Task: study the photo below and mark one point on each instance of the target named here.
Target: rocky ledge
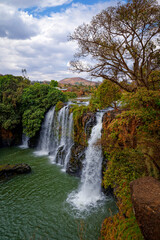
(146, 203)
(10, 170)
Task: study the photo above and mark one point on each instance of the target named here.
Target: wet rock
(89, 121)
(60, 155)
(75, 164)
(146, 203)
(33, 141)
(10, 170)
(10, 137)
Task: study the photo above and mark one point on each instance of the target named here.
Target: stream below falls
(35, 206)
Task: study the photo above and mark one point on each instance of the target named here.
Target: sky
(34, 35)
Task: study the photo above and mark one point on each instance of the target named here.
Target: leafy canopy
(54, 83)
(106, 95)
(24, 104)
(36, 100)
(11, 89)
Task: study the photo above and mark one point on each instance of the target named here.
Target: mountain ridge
(77, 81)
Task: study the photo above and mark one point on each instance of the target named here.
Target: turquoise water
(34, 206)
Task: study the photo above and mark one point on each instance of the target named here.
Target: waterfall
(90, 188)
(56, 136)
(25, 140)
(45, 134)
(62, 137)
(69, 141)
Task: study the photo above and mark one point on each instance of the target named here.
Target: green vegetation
(11, 89)
(24, 104)
(70, 95)
(121, 42)
(58, 106)
(145, 106)
(123, 167)
(53, 83)
(106, 95)
(131, 144)
(78, 113)
(36, 100)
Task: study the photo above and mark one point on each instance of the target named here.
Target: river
(35, 206)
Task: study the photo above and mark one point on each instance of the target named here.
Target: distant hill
(78, 81)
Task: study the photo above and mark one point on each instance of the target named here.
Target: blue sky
(48, 10)
(35, 36)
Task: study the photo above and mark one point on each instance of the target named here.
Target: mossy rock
(59, 105)
(10, 170)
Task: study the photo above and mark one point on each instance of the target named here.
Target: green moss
(58, 106)
(79, 133)
(123, 167)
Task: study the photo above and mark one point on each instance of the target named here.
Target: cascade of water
(62, 137)
(90, 189)
(69, 141)
(25, 140)
(56, 136)
(45, 134)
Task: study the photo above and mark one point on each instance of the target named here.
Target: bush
(36, 100)
(106, 95)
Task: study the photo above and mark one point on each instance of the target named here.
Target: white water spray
(62, 140)
(25, 140)
(90, 189)
(69, 141)
(45, 134)
(56, 136)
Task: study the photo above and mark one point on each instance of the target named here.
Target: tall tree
(121, 42)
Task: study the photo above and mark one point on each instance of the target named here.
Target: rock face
(10, 138)
(33, 141)
(81, 136)
(146, 203)
(10, 170)
(75, 164)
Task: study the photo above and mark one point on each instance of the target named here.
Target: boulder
(145, 194)
(74, 167)
(9, 170)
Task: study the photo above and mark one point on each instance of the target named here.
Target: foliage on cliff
(79, 133)
(23, 103)
(70, 95)
(36, 100)
(131, 144)
(11, 89)
(123, 167)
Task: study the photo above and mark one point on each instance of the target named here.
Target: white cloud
(15, 24)
(35, 3)
(40, 44)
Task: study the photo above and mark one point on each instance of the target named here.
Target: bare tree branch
(120, 41)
